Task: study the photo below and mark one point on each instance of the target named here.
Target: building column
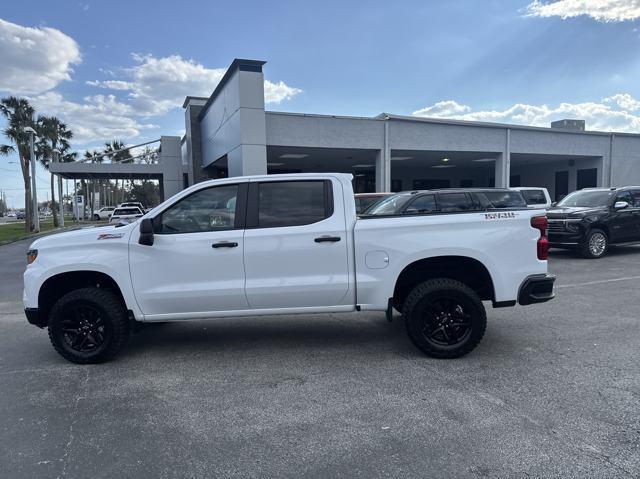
(503, 164)
(383, 164)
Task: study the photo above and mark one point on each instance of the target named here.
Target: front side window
(212, 209)
(422, 204)
(453, 202)
(391, 205)
(625, 196)
(292, 203)
(636, 198)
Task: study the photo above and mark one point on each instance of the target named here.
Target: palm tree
(53, 135)
(119, 157)
(19, 115)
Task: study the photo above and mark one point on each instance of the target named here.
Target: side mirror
(620, 205)
(146, 232)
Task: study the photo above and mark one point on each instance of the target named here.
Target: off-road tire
(113, 314)
(419, 314)
(590, 252)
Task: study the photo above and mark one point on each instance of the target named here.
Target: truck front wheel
(444, 318)
(88, 325)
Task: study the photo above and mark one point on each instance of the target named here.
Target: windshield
(587, 198)
(389, 206)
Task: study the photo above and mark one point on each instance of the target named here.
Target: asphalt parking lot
(552, 391)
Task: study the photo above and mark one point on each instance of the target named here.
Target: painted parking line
(614, 280)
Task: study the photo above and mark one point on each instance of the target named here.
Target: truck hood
(561, 212)
(83, 236)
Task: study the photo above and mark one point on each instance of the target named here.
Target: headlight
(573, 225)
(32, 254)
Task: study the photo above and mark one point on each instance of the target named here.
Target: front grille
(556, 225)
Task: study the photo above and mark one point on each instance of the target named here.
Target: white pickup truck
(284, 244)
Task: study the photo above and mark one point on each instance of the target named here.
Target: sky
(121, 69)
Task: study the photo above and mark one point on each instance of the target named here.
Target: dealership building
(231, 134)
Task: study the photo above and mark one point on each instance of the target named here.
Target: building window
(587, 178)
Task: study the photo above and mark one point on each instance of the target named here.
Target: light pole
(32, 157)
(56, 159)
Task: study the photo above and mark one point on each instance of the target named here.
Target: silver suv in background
(535, 197)
(126, 215)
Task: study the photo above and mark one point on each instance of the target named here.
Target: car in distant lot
(20, 215)
(592, 219)
(535, 197)
(366, 200)
(448, 200)
(134, 204)
(11, 214)
(126, 215)
(103, 213)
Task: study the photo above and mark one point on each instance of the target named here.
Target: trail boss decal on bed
(500, 216)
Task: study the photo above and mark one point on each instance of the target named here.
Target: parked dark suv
(592, 219)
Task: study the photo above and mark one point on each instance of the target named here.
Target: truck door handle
(327, 239)
(224, 244)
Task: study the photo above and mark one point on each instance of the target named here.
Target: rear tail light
(540, 223)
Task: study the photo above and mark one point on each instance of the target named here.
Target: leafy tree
(52, 135)
(19, 114)
(146, 192)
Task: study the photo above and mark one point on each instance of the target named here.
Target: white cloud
(34, 60)
(278, 92)
(111, 84)
(615, 113)
(444, 109)
(600, 10)
(98, 118)
(157, 85)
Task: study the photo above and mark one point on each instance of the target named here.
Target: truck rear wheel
(444, 318)
(88, 326)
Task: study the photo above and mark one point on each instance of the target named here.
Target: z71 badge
(500, 216)
(110, 236)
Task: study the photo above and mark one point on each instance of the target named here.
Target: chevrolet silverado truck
(284, 244)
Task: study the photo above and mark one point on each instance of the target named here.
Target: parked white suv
(285, 244)
(125, 215)
(535, 197)
(103, 213)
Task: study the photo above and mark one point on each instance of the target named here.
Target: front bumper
(536, 289)
(33, 317)
(565, 233)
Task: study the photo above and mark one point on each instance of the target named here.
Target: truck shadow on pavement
(272, 334)
(288, 337)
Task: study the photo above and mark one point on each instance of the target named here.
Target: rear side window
(534, 197)
(504, 199)
(127, 211)
(454, 202)
(636, 198)
(293, 203)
